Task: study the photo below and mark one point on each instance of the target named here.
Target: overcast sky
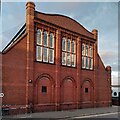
(102, 16)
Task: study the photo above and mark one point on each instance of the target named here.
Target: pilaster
(30, 7)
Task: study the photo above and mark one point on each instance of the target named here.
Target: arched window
(45, 49)
(45, 43)
(86, 50)
(51, 40)
(38, 37)
(83, 49)
(87, 56)
(68, 45)
(64, 44)
(51, 48)
(69, 54)
(73, 46)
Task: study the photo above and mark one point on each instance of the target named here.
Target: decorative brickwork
(27, 80)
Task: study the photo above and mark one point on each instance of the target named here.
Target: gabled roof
(64, 22)
(15, 38)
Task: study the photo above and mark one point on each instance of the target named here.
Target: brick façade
(23, 76)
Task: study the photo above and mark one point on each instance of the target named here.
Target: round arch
(44, 75)
(44, 89)
(68, 78)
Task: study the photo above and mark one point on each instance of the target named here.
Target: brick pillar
(30, 7)
(108, 69)
(95, 63)
(78, 71)
(58, 63)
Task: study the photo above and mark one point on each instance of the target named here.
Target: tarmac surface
(112, 113)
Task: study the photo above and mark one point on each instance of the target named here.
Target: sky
(102, 16)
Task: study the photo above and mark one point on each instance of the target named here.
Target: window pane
(63, 44)
(68, 45)
(83, 49)
(51, 56)
(63, 58)
(91, 51)
(51, 40)
(87, 62)
(86, 50)
(39, 53)
(91, 63)
(83, 62)
(45, 39)
(44, 89)
(45, 55)
(38, 37)
(68, 60)
(73, 60)
(86, 90)
(73, 47)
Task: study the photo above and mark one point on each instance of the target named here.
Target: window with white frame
(68, 52)
(87, 56)
(44, 47)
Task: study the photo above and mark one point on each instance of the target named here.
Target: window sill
(45, 63)
(87, 69)
(68, 66)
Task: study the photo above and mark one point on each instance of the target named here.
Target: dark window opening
(86, 90)
(44, 89)
(115, 94)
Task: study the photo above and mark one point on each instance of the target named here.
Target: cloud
(110, 58)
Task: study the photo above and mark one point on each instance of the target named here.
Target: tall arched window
(68, 52)
(45, 49)
(38, 47)
(73, 53)
(68, 45)
(51, 48)
(45, 42)
(51, 40)
(63, 44)
(87, 56)
(38, 37)
(64, 51)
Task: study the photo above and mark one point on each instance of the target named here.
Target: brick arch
(44, 80)
(89, 80)
(68, 90)
(87, 97)
(46, 76)
(70, 78)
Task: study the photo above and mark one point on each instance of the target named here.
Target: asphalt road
(104, 115)
(85, 114)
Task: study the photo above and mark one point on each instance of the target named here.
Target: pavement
(67, 114)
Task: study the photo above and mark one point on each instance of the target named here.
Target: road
(111, 116)
(76, 114)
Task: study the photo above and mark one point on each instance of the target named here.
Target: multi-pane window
(87, 56)
(68, 52)
(44, 47)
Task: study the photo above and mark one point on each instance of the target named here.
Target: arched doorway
(44, 92)
(68, 93)
(87, 94)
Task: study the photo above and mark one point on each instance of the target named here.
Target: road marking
(28, 116)
(88, 116)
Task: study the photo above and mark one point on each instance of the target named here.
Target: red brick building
(53, 64)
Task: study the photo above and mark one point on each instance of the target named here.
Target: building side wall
(104, 91)
(13, 74)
